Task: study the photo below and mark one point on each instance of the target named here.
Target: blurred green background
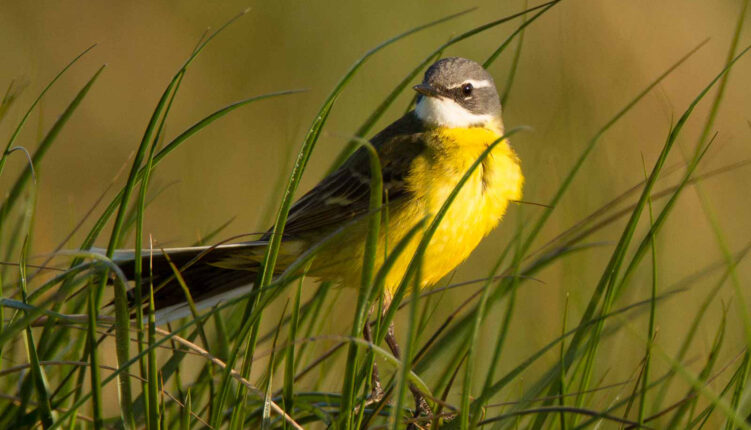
(580, 64)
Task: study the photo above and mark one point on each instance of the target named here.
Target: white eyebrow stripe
(477, 84)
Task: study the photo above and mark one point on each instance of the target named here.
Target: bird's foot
(423, 415)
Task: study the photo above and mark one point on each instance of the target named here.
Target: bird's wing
(345, 194)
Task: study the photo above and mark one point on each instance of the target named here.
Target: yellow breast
(477, 209)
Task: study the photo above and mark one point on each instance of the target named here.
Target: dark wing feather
(345, 194)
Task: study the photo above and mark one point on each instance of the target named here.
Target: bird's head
(457, 92)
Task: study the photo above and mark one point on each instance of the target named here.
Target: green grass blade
(10, 96)
(652, 313)
(704, 374)
(140, 208)
(366, 286)
(20, 125)
(474, 338)
(187, 411)
(18, 186)
(96, 380)
(189, 299)
(289, 368)
(696, 321)
(503, 330)
(406, 366)
(515, 59)
(702, 418)
(38, 375)
(739, 386)
(266, 424)
(152, 416)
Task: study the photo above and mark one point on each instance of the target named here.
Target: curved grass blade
(11, 94)
(41, 151)
(16, 132)
(289, 368)
(560, 409)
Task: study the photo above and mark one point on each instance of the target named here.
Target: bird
(423, 155)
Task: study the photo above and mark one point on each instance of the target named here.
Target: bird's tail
(212, 274)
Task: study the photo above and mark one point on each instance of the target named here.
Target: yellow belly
(477, 209)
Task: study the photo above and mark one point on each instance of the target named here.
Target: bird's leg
(376, 393)
(422, 409)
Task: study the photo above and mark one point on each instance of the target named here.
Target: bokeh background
(580, 63)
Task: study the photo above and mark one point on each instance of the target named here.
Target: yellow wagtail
(423, 155)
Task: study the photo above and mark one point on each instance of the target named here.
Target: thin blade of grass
(515, 59)
(38, 375)
(468, 417)
(652, 314)
(739, 388)
(152, 386)
(18, 186)
(20, 125)
(406, 366)
(11, 95)
(366, 286)
(266, 424)
(704, 374)
(289, 368)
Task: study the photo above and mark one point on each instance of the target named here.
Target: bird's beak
(426, 90)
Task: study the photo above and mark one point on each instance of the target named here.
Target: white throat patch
(444, 112)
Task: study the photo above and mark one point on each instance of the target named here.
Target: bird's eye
(467, 89)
